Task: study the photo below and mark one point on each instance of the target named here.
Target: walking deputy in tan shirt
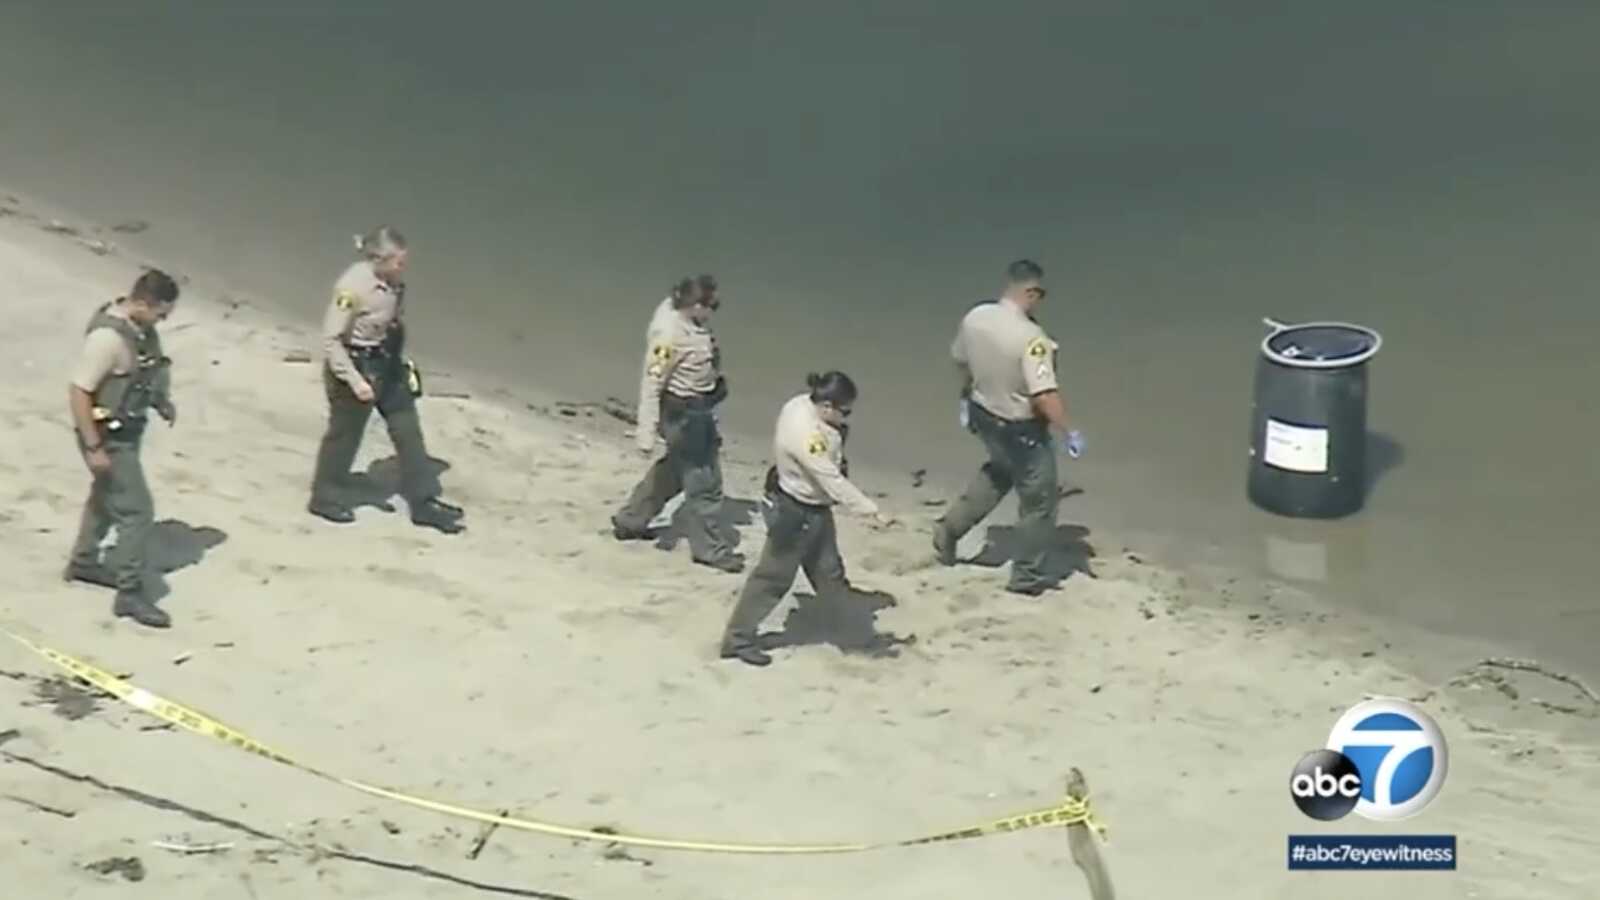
(1011, 401)
(808, 458)
(121, 374)
(365, 367)
(679, 389)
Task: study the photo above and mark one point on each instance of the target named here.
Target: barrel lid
(1320, 345)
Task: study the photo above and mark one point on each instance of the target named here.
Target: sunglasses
(843, 411)
(1038, 292)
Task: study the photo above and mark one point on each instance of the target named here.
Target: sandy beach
(535, 665)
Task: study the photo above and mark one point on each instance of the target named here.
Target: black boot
(88, 573)
(433, 514)
(733, 563)
(747, 653)
(133, 605)
(625, 533)
(337, 513)
(944, 545)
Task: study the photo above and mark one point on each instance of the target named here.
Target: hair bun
(813, 380)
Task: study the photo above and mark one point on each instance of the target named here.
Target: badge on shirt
(1038, 348)
(817, 445)
(346, 300)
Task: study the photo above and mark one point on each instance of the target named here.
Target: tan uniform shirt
(680, 358)
(807, 451)
(363, 308)
(104, 353)
(1010, 357)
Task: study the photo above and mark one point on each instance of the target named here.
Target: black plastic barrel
(1308, 422)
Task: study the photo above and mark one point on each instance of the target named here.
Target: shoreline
(1182, 510)
(1170, 666)
(744, 454)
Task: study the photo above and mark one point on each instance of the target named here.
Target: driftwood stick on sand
(192, 849)
(1081, 839)
(41, 807)
(484, 834)
(1528, 665)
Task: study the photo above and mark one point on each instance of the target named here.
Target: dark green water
(858, 173)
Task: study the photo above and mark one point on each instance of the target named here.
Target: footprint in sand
(54, 501)
(427, 582)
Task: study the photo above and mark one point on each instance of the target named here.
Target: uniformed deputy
(121, 375)
(808, 455)
(1010, 399)
(679, 390)
(363, 338)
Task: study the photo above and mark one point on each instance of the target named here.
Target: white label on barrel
(1296, 447)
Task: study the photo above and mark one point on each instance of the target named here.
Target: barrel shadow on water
(1383, 454)
(1070, 552)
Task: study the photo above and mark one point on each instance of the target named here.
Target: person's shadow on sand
(736, 513)
(848, 623)
(175, 545)
(380, 483)
(1070, 552)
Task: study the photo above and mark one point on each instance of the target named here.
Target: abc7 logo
(1386, 760)
(1326, 785)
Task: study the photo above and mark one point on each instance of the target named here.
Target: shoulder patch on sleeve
(1038, 348)
(346, 299)
(816, 445)
(660, 357)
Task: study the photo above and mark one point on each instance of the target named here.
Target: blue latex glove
(1073, 443)
(964, 416)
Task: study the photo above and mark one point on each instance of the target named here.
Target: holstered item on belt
(375, 363)
(695, 423)
(122, 429)
(773, 489)
(1027, 432)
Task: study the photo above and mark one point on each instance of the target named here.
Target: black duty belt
(775, 489)
(697, 403)
(364, 351)
(818, 507)
(122, 429)
(1012, 428)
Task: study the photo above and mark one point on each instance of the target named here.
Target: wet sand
(858, 175)
(534, 664)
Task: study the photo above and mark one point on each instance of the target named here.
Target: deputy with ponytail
(680, 387)
(365, 367)
(808, 455)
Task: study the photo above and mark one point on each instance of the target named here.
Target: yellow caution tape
(1071, 812)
